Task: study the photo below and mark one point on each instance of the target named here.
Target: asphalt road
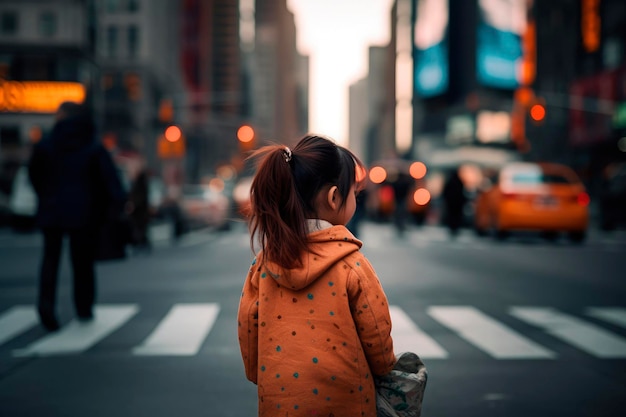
(523, 327)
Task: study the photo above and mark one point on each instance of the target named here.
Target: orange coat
(312, 338)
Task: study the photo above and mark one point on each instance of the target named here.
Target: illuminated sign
(590, 24)
(493, 127)
(38, 96)
(430, 50)
(499, 53)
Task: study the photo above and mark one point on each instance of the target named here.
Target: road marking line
(614, 315)
(181, 332)
(15, 321)
(499, 341)
(77, 336)
(407, 337)
(585, 336)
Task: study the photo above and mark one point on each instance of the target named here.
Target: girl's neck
(314, 225)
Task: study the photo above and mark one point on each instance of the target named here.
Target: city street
(521, 327)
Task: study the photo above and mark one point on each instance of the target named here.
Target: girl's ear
(332, 197)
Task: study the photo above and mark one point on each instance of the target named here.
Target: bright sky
(336, 36)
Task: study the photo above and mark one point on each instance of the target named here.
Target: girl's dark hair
(284, 190)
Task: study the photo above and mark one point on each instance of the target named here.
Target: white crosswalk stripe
(407, 337)
(77, 337)
(585, 336)
(187, 326)
(16, 321)
(182, 331)
(487, 334)
(613, 315)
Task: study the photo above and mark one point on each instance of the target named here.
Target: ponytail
(284, 190)
(277, 216)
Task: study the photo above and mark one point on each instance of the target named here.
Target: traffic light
(171, 143)
(173, 134)
(537, 112)
(132, 82)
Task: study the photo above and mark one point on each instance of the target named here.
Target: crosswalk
(383, 236)
(374, 236)
(186, 327)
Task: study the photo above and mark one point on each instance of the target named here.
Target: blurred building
(137, 44)
(582, 82)
(370, 114)
(212, 100)
(465, 77)
(144, 66)
(534, 80)
(358, 117)
(279, 75)
(380, 105)
(46, 57)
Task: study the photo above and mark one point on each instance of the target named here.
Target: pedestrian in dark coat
(76, 184)
(454, 199)
(140, 210)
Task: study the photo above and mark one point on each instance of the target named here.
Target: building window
(133, 5)
(8, 23)
(47, 24)
(9, 136)
(112, 41)
(112, 6)
(133, 41)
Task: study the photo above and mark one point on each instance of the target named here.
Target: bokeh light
(418, 170)
(378, 175)
(421, 196)
(245, 134)
(172, 133)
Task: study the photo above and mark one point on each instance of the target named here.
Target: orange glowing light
(591, 25)
(421, 196)
(38, 96)
(172, 133)
(537, 112)
(35, 134)
(417, 170)
(109, 141)
(217, 184)
(378, 175)
(245, 134)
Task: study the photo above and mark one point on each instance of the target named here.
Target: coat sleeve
(109, 178)
(248, 328)
(370, 312)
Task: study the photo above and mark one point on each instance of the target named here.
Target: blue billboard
(430, 47)
(499, 42)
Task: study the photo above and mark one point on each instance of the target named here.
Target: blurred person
(401, 186)
(311, 336)
(76, 182)
(454, 200)
(354, 225)
(139, 210)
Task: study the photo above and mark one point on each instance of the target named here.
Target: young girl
(314, 324)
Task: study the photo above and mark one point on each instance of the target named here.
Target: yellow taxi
(544, 197)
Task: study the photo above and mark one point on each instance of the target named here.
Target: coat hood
(328, 246)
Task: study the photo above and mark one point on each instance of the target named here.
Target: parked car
(241, 196)
(612, 198)
(202, 206)
(544, 197)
